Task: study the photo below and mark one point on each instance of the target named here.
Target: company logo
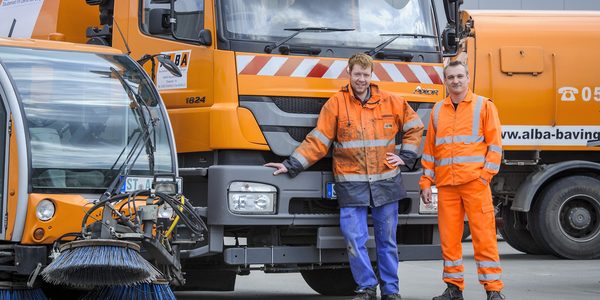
(421, 91)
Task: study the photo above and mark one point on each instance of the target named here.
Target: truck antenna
(12, 27)
(122, 36)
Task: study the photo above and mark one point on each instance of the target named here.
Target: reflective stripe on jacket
(361, 134)
(462, 144)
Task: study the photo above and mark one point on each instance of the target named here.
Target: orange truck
(539, 68)
(255, 75)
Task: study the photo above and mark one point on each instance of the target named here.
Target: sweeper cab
(90, 195)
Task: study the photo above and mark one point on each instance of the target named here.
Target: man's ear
(348, 70)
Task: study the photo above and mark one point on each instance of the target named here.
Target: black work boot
(452, 292)
(366, 294)
(495, 295)
(391, 297)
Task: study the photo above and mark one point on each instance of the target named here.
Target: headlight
(252, 198)
(432, 207)
(165, 211)
(45, 210)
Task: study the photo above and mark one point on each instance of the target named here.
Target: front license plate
(134, 183)
(331, 191)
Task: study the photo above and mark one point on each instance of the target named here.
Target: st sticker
(167, 81)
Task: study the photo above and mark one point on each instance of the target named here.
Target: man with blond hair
(361, 122)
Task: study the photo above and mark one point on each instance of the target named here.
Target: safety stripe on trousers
(366, 177)
(453, 263)
(489, 277)
(285, 66)
(488, 264)
(454, 275)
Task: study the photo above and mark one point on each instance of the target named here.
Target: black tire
(330, 282)
(566, 217)
(516, 234)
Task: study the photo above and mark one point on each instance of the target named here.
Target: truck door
(148, 34)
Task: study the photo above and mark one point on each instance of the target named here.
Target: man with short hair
(462, 153)
(361, 121)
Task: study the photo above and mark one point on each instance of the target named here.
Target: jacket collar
(371, 102)
(468, 98)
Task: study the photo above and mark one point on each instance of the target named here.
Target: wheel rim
(578, 218)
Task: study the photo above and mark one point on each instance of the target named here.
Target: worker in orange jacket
(361, 122)
(462, 153)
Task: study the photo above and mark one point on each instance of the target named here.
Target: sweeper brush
(99, 262)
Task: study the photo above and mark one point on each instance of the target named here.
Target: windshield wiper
(271, 47)
(145, 135)
(394, 36)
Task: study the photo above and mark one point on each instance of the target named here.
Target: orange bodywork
(69, 212)
(526, 62)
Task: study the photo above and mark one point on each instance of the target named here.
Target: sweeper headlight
(45, 210)
(252, 198)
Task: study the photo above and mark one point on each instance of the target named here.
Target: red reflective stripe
(407, 73)
(288, 67)
(381, 73)
(257, 63)
(435, 78)
(320, 68)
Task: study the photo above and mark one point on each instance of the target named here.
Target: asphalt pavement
(532, 277)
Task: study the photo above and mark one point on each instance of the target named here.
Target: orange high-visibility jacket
(361, 135)
(463, 144)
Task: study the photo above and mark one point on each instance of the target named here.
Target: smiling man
(462, 153)
(361, 122)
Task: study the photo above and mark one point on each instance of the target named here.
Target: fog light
(252, 198)
(432, 207)
(45, 210)
(165, 211)
(38, 233)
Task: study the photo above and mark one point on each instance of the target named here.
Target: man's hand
(426, 195)
(279, 166)
(394, 160)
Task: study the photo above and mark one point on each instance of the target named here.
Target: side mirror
(205, 37)
(449, 39)
(158, 21)
(169, 65)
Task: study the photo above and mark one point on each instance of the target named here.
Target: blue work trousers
(353, 224)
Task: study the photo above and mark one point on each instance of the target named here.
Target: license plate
(134, 183)
(331, 191)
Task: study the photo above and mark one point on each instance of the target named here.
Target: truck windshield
(266, 20)
(79, 118)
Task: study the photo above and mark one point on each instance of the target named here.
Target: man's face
(457, 81)
(360, 78)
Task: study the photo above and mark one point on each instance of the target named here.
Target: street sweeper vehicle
(88, 174)
(540, 69)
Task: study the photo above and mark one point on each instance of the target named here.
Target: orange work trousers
(475, 199)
